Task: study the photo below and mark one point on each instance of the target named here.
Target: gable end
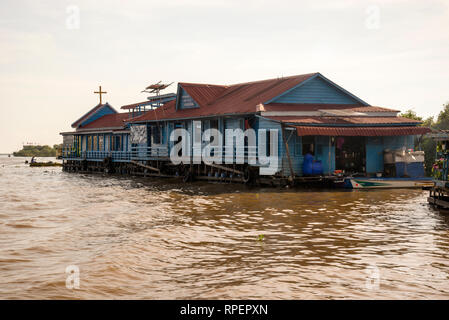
(184, 100)
(317, 89)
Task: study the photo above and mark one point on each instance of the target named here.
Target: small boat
(45, 164)
(377, 183)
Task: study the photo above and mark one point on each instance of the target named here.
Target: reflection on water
(161, 239)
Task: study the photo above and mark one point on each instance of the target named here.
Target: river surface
(162, 239)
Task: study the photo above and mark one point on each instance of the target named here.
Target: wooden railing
(238, 154)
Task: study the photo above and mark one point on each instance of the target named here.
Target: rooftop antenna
(157, 88)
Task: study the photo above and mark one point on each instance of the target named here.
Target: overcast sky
(54, 54)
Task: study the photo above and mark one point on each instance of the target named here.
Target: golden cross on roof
(100, 93)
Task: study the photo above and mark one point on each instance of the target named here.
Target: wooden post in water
(288, 153)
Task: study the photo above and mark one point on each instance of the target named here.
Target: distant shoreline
(38, 151)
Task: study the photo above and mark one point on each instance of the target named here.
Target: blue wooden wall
(294, 146)
(374, 154)
(295, 150)
(104, 110)
(322, 149)
(397, 142)
(316, 90)
(185, 100)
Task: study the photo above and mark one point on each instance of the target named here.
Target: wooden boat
(378, 183)
(45, 164)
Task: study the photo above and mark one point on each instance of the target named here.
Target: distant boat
(45, 164)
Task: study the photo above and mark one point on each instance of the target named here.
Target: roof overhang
(193, 118)
(327, 113)
(439, 135)
(340, 113)
(360, 131)
(99, 129)
(67, 133)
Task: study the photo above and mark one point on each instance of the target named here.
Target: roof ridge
(249, 82)
(202, 84)
(271, 79)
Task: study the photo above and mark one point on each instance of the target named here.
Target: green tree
(442, 122)
(410, 114)
(429, 122)
(36, 151)
(423, 143)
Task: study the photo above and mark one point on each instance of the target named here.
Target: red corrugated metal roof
(234, 99)
(203, 94)
(360, 131)
(315, 107)
(115, 120)
(344, 120)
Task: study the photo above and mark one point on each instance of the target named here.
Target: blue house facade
(294, 120)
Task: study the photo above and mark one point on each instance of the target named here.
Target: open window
(117, 143)
(350, 154)
(214, 125)
(308, 145)
(156, 134)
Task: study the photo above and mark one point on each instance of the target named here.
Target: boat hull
(45, 164)
(385, 183)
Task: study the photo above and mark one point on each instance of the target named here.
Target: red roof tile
(361, 131)
(203, 94)
(115, 120)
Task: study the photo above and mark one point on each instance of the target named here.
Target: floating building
(322, 130)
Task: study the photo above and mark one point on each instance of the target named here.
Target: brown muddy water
(161, 239)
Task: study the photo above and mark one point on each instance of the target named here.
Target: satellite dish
(156, 88)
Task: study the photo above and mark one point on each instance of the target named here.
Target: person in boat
(33, 160)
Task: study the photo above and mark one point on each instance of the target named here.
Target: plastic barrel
(317, 167)
(307, 166)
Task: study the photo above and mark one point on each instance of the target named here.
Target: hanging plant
(437, 168)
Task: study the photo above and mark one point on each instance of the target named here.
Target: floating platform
(439, 194)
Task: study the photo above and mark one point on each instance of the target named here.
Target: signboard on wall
(67, 140)
(138, 134)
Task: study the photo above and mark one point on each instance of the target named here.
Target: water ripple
(155, 239)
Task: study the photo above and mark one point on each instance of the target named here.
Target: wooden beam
(224, 168)
(288, 152)
(145, 166)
